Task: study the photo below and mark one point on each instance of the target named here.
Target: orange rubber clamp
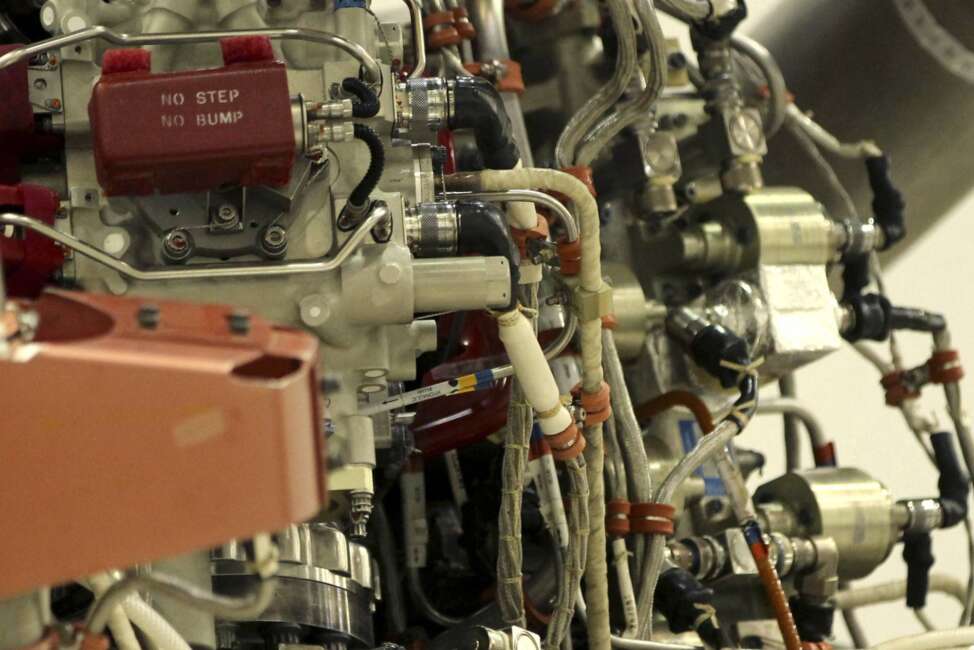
(584, 174)
(568, 444)
(522, 235)
(91, 641)
(462, 22)
(511, 82)
(897, 391)
(597, 405)
(610, 322)
(570, 256)
(944, 367)
(652, 518)
(617, 517)
(440, 30)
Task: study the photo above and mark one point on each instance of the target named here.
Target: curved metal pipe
(373, 73)
(378, 214)
(777, 88)
(527, 196)
(419, 38)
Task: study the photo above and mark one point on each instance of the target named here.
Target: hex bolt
(177, 245)
(148, 317)
(226, 216)
(273, 241)
(239, 322)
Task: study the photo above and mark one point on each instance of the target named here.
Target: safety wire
(575, 554)
(804, 131)
(603, 100)
(642, 107)
(520, 418)
(811, 136)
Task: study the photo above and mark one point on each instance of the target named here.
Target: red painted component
(133, 59)
(825, 455)
(29, 259)
(246, 49)
(444, 138)
(16, 117)
(193, 131)
(146, 433)
(461, 420)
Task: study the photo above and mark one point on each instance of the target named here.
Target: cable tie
(707, 612)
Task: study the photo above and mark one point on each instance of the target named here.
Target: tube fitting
(422, 105)
(431, 229)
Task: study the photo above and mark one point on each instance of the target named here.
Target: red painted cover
(192, 131)
(29, 259)
(16, 116)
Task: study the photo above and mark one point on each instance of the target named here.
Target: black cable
(918, 320)
(358, 200)
(887, 204)
(367, 104)
(396, 619)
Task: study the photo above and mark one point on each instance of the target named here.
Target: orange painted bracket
(133, 430)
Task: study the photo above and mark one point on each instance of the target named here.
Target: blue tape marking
(536, 434)
(688, 434)
(712, 484)
(484, 378)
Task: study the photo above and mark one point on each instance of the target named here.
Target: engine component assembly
(433, 324)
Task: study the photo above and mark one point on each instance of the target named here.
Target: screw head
(274, 240)
(239, 322)
(177, 245)
(390, 273)
(148, 317)
(226, 216)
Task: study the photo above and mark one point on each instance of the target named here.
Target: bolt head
(239, 322)
(274, 240)
(177, 244)
(390, 273)
(148, 317)
(226, 214)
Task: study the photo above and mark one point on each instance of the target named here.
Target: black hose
(477, 105)
(681, 598)
(367, 104)
(483, 230)
(918, 320)
(954, 485)
(394, 600)
(358, 200)
(888, 204)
